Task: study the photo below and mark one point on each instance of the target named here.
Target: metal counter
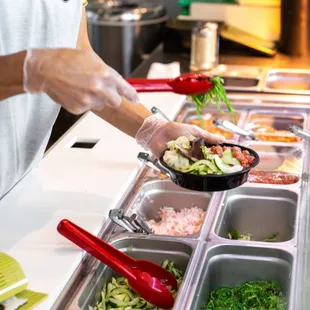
(209, 258)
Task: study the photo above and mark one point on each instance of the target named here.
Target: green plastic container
(185, 4)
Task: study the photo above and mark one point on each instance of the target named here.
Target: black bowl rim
(243, 148)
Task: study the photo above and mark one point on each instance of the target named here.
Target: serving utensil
(299, 132)
(155, 110)
(230, 127)
(133, 224)
(146, 278)
(186, 84)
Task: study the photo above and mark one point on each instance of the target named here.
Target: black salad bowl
(202, 183)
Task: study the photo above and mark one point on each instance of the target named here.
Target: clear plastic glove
(77, 79)
(156, 132)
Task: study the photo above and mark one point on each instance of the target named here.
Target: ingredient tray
(240, 78)
(232, 265)
(274, 126)
(260, 212)
(282, 158)
(188, 115)
(155, 194)
(287, 81)
(155, 250)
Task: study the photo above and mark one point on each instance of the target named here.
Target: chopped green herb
(260, 295)
(233, 234)
(216, 95)
(272, 238)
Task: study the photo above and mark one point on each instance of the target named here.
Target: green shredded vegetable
(272, 238)
(216, 95)
(117, 294)
(258, 295)
(233, 234)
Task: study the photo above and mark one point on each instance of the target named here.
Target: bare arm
(128, 117)
(11, 75)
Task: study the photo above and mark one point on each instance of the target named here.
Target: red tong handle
(186, 84)
(150, 85)
(115, 259)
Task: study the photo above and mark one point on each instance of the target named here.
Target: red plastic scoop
(186, 84)
(147, 279)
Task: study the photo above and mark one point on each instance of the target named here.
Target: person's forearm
(128, 117)
(83, 39)
(11, 75)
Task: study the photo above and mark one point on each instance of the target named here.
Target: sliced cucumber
(229, 159)
(226, 168)
(235, 161)
(118, 303)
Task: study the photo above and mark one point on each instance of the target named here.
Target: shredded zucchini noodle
(216, 95)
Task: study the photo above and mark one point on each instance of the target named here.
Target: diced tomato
(217, 150)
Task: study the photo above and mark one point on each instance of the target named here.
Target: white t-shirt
(26, 120)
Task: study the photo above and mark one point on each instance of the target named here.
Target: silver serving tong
(228, 126)
(299, 132)
(133, 224)
(155, 110)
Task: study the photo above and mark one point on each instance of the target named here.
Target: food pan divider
(302, 273)
(259, 257)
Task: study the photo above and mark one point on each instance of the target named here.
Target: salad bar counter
(245, 248)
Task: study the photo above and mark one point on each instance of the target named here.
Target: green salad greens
(117, 294)
(253, 295)
(233, 234)
(216, 95)
(192, 156)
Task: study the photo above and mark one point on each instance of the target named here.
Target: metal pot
(121, 32)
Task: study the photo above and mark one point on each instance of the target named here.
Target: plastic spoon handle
(150, 85)
(107, 254)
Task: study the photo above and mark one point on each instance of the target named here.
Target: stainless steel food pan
(231, 265)
(287, 81)
(155, 194)
(188, 115)
(276, 157)
(154, 249)
(263, 122)
(240, 78)
(259, 212)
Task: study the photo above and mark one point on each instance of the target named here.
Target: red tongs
(147, 279)
(186, 84)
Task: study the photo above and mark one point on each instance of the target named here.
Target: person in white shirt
(46, 61)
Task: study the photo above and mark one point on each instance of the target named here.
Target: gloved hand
(77, 79)
(155, 132)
